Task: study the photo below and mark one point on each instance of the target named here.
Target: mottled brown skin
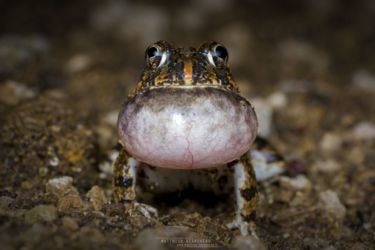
(185, 63)
(248, 190)
(123, 181)
(190, 67)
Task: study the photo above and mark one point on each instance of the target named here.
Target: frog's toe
(146, 210)
(245, 227)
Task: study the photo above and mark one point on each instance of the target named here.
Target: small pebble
(263, 167)
(12, 92)
(363, 131)
(97, 197)
(299, 182)
(331, 204)
(111, 117)
(60, 186)
(356, 155)
(69, 223)
(330, 142)
(54, 161)
(70, 203)
(278, 100)
(39, 213)
(78, 63)
(264, 108)
(106, 166)
(264, 111)
(327, 166)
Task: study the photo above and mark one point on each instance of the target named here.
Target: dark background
(67, 66)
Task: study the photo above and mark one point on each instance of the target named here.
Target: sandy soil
(66, 68)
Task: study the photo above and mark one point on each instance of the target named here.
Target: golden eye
(155, 56)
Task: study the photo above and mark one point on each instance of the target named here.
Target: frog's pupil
(151, 52)
(221, 52)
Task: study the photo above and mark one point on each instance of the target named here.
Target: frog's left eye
(155, 56)
(218, 56)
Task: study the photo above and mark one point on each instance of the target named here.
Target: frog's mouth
(187, 127)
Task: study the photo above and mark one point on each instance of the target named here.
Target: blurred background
(268, 41)
(308, 66)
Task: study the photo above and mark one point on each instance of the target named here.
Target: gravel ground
(66, 68)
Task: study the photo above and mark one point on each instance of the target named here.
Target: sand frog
(186, 122)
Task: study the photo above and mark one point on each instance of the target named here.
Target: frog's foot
(146, 210)
(245, 227)
(141, 208)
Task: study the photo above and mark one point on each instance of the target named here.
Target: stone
(111, 117)
(60, 186)
(331, 204)
(331, 142)
(97, 197)
(363, 131)
(47, 213)
(264, 111)
(300, 182)
(327, 166)
(278, 100)
(78, 63)
(70, 203)
(69, 223)
(263, 168)
(12, 92)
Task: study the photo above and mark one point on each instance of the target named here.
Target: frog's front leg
(246, 196)
(124, 182)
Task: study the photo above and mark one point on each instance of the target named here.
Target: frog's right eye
(155, 56)
(217, 55)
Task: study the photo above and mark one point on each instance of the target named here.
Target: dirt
(66, 68)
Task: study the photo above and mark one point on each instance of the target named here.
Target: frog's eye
(218, 56)
(155, 56)
(221, 52)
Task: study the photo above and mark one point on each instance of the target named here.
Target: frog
(185, 123)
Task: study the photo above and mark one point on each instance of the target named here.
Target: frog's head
(186, 111)
(169, 66)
